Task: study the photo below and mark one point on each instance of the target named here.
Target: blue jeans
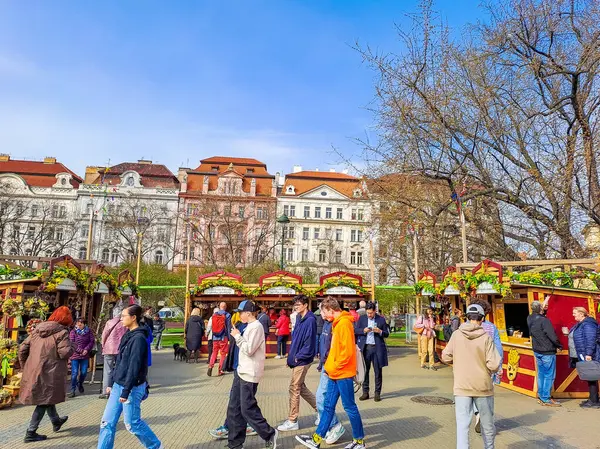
(546, 370)
(133, 420)
(345, 389)
(79, 370)
(321, 392)
(463, 408)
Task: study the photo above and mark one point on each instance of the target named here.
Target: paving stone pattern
(185, 403)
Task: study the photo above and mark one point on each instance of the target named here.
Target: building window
(305, 255)
(261, 213)
(328, 212)
(289, 254)
(306, 211)
(328, 233)
(241, 211)
(338, 235)
(286, 210)
(317, 233)
(339, 213)
(89, 208)
(322, 255)
(356, 258)
(214, 168)
(190, 209)
(356, 235)
(338, 256)
(13, 252)
(16, 231)
(63, 211)
(31, 232)
(82, 253)
(84, 231)
(353, 214)
(55, 211)
(28, 252)
(292, 211)
(360, 215)
(158, 257)
(305, 232)
(20, 208)
(105, 255)
(289, 232)
(318, 212)
(114, 256)
(227, 210)
(34, 210)
(249, 170)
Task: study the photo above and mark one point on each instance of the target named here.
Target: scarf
(83, 331)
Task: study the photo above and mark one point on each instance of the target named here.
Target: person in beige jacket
(474, 357)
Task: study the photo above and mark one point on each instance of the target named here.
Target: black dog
(179, 353)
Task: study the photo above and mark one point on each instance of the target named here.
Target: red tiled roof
(152, 175)
(38, 174)
(325, 175)
(232, 160)
(305, 181)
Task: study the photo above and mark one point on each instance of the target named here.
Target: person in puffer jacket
(83, 339)
(584, 337)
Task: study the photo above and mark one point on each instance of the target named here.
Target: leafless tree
(510, 108)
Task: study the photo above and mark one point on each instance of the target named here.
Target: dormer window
(130, 181)
(290, 190)
(214, 168)
(324, 193)
(249, 170)
(357, 193)
(63, 182)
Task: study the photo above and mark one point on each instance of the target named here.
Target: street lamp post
(283, 219)
(143, 221)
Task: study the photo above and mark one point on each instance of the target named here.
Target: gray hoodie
(474, 358)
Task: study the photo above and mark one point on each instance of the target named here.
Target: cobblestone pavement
(185, 403)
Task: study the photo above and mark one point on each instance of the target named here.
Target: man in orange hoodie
(341, 369)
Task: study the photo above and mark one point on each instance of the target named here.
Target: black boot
(364, 397)
(31, 437)
(56, 427)
(71, 394)
(81, 390)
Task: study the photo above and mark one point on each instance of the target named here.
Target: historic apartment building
(125, 207)
(37, 207)
(227, 209)
(330, 222)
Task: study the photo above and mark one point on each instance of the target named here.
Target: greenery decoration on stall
(331, 283)
(108, 280)
(280, 283)
(467, 283)
(14, 308)
(59, 274)
(423, 286)
(14, 273)
(210, 283)
(131, 285)
(8, 354)
(35, 307)
(565, 279)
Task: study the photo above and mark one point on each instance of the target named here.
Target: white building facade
(128, 207)
(331, 221)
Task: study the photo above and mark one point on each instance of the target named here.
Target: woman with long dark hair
(44, 356)
(128, 385)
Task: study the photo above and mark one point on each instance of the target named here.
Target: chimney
(182, 177)
(4, 157)
(297, 168)
(345, 171)
(144, 161)
(316, 169)
(50, 160)
(332, 170)
(92, 174)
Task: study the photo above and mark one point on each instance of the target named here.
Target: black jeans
(210, 348)
(593, 387)
(243, 410)
(39, 413)
(370, 355)
(228, 366)
(282, 344)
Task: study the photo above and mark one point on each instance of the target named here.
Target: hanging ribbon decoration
(5, 366)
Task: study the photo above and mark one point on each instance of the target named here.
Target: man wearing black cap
(243, 408)
(475, 358)
(302, 354)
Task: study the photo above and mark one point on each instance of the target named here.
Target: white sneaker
(335, 434)
(317, 421)
(277, 356)
(288, 426)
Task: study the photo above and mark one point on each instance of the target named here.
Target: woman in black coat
(194, 330)
(584, 338)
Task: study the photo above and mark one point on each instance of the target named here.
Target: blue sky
(177, 81)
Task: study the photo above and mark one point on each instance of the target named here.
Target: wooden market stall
(346, 287)
(276, 291)
(510, 295)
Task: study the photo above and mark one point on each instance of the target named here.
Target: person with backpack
(194, 330)
(371, 331)
(426, 324)
(302, 354)
(221, 328)
(341, 366)
(209, 335)
(128, 385)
